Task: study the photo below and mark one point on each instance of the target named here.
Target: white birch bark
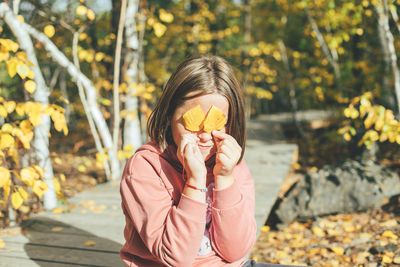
(91, 96)
(332, 58)
(40, 143)
(383, 21)
(132, 132)
(85, 105)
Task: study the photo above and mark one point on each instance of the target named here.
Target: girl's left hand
(228, 154)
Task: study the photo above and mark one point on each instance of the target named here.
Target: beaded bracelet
(196, 188)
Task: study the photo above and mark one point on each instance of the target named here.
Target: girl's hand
(190, 156)
(227, 157)
(228, 153)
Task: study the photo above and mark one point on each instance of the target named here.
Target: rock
(349, 187)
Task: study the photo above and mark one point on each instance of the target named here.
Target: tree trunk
(132, 132)
(383, 13)
(40, 143)
(292, 88)
(388, 96)
(333, 61)
(91, 95)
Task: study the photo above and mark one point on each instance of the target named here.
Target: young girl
(187, 195)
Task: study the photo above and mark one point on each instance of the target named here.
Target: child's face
(205, 141)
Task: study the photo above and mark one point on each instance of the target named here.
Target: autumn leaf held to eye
(215, 120)
(193, 119)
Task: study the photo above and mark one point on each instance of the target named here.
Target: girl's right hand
(191, 158)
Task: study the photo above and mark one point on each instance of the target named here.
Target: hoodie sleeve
(233, 222)
(171, 233)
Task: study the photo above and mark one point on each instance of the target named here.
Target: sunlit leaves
(378, 123)
(49, 30)
(5, 176)
(30, 86)
(16, 200)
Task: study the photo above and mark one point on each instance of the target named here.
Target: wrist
(223, 181)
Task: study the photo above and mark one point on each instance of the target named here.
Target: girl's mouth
(204, 146)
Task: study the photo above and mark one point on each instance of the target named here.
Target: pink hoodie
(166, 228)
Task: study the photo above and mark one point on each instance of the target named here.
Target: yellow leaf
(390, 234)
(25, 126)
(58, 210)
(58, 160)
(6, 141)
(34, 110)
(81, 168)
(4, 55)
(338, 250)
(215, 120)
(387, 259)
(2, 244)
(23, 193)
(90, 243)
(20, 109)
(49, 30)
(106, 102)
(159, 29)
(57, 186)
(166, 16)
(62, 177)
(318, 232)
(7, 190)
(30, 86)
(10, 106)
(24, 209)
(81, 10)
(193, 119)
(90, 14)
(12, 67)
(16, 200)
(39, 188)
(21, 18)
(28, 176)
(3, 111)
(265, 229)
(22, 70)
(57, 229)
(5, 176)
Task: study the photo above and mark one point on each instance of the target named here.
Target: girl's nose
(204, 137)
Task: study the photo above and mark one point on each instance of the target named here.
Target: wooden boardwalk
(92, 233)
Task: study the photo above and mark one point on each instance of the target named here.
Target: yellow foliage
(81, 10)
(28, 175)
(215, 120)
(6, 141)
(30, 86)
(39, 188)
(5, 176)
(49, 30)
(90, 14)
(23, 193)
(3, 111)
(22, 69)
(8, 45)
(16, 200)
(159, 29)
(165, 16)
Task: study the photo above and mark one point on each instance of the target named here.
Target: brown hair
(202, 75)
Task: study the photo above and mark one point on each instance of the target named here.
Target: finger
(220, 134)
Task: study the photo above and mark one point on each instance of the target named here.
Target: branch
(117, 63)
(85, 104)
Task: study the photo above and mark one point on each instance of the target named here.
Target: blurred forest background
(79, 79)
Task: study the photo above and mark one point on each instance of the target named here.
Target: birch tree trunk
(332, 59)
(383, 20)
(388, 96)
(91, 96)
(40, 143)
(132, 132)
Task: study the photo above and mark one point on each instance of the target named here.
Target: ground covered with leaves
(369, 238)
